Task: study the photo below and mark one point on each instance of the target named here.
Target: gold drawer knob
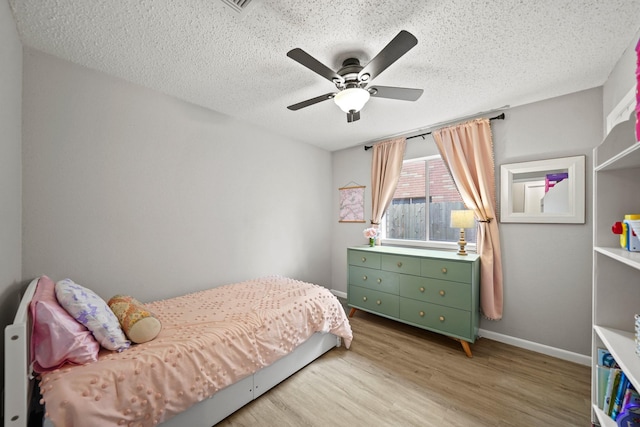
(364, 277)
(399, 264)
(441, 292)
(364, 298)
(379, 280)
(364, 259)
(421, 314)
(444, 270)
(442, 318)
(378, 302)
(421, 289)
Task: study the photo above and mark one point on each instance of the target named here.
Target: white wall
(10, 169)
(547, 273)
(127, 190)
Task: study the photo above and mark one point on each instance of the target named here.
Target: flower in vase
(370, 233)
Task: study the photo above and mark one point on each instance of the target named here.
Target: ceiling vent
(237, 5)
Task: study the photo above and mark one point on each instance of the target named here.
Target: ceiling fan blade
(311, 101)
(314, 65)
(397, 47)
(402, 93)
(352, 116)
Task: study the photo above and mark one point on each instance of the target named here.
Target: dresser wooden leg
(466, 348)
(353, 311)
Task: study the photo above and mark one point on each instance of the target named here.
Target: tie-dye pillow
(88, 308)
(139, 324)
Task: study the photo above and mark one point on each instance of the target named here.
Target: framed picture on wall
(352, 204)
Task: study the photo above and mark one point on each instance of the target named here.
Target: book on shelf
(611, 390)
(606, 371)
(601, 384)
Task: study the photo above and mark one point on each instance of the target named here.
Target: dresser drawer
(437, 317)
(371, 300)
(446, 270)
(401, 264)
(379, 280)
(364, 259)
(443, 292)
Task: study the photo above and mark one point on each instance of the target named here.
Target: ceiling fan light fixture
(351, 99)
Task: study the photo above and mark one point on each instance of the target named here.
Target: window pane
(421, 208)
(406, 217)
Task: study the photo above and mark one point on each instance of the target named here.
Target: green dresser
(434, 290)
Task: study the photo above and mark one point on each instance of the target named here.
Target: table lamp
(462, 219)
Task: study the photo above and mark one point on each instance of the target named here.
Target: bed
(195, 371)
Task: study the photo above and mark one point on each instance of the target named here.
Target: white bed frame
(19, 384)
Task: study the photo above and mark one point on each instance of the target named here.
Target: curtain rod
(499, 117)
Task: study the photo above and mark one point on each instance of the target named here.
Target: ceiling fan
(352, 79)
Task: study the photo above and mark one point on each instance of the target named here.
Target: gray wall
(547, 274)
(127, 190)
(10, 169)
(547, 267)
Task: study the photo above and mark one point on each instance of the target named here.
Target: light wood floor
(397, 375)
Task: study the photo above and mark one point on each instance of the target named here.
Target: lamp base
(462, 243)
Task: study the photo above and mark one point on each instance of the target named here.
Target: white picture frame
(522, 201)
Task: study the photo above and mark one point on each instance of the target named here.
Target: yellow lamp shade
(463, 219)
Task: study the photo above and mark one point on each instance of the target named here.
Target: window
(421, 208)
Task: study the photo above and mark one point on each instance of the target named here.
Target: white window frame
(428, 244)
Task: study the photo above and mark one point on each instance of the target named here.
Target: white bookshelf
(616, 272)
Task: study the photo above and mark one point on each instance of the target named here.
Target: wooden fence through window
(408, 221)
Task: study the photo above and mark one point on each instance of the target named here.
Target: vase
(372, 241)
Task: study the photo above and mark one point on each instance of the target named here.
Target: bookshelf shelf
(603, 419)
(616, 271)
(631, 259)
(621, 345)
(630, 157)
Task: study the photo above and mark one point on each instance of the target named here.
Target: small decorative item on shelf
(371, 233)
(629, 231)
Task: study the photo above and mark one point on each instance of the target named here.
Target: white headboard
(18, 383)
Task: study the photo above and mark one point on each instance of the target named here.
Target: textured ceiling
(471, 56)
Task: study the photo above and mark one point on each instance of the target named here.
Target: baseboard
(339, 294)
(538, 348)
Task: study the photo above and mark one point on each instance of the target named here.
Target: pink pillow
(57, 338)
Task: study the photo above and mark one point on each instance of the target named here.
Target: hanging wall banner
(352, 204)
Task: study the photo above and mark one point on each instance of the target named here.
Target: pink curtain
(467, 149)
(386, 166)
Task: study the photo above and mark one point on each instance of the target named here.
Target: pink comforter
(209, 340)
